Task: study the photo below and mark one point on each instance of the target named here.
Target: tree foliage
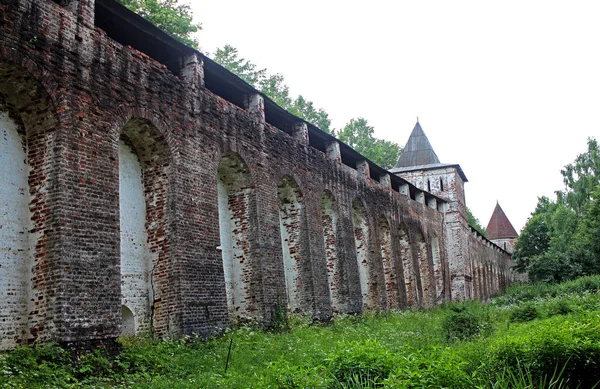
(561, 238)
(273, 86)
(168, 15)
(474, 222)
(358, 134)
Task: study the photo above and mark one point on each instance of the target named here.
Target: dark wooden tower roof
(418, 150)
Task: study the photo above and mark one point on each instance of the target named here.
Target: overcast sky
(509, 90)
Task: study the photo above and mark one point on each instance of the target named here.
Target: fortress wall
(214, 171)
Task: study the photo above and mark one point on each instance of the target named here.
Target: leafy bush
(526, 312)
(366, 361)
(460, 324)
(42, 364)
(543, 348)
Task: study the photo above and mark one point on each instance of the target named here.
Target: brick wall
(303, 224)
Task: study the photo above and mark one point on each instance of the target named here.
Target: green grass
(500, 344)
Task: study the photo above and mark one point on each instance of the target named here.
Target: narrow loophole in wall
(290, 227)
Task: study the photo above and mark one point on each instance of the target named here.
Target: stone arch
(427, 288)
(291, 213)
(154, 137)
(360, 225)
(438, 268)
(28, 174)
(128, 326)
(145, 164)
(336, 277)
(237, 227)
(389, 268)
(408, 265)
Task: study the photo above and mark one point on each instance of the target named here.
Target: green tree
(581, 177)
(273, 86)
(560, 240)
(358, 134)
(587, 239)
(228, 57)
(305, 109)
(474, 222)
(171, 17)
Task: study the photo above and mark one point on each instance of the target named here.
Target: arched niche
(361, 243)
(389, 269)
(128, 326)
(144, 168)
(27, 175)
(411, 273)
(426, 271)
(237, 227)
(336, 278)
(290, 227)
(438, 269)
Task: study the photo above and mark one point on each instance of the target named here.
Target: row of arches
(392, 268)
(412, 271)
(28, 164)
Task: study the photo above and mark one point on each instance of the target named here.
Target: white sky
(509, 90)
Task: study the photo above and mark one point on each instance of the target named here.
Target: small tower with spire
(501, 231)
(420, 165)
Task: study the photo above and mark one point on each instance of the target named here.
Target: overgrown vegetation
(560, 240)
(168, 15)
(496, 343)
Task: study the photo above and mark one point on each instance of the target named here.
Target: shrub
(559, 344)
(523, 313)
(460, 324)
(366, 361)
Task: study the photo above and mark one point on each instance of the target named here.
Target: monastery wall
(163, 194)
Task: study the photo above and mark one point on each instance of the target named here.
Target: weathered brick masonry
(147, 188)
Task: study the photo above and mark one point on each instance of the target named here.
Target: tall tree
(229, 57)
(560, 240)
(581, 177)
(273, 86)
(475, 223)
(358, 134)
(168, 15)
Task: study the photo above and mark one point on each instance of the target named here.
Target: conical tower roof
(499, 226)
(418, 150)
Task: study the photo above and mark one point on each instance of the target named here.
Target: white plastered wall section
(290, 212)
(361, 240)
(330, 222)
(135, 261)
(233, 226)
(16, 244)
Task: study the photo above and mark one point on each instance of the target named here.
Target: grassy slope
(403, 350)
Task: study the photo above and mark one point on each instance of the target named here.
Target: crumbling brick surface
(77, 94)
